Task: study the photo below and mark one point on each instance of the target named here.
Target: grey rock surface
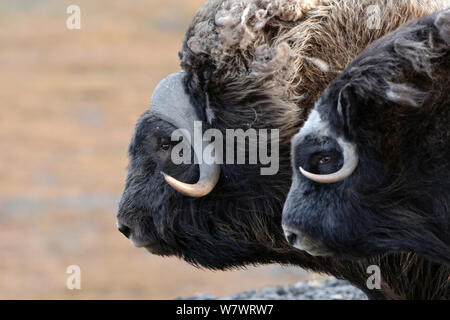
(311, 290)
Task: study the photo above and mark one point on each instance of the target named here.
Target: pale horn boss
(171, 103)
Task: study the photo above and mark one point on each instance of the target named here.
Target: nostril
(291, 237)
(124, 230)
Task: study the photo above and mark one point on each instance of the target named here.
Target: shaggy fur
(252, 64)
(294, 58)
(395, 107)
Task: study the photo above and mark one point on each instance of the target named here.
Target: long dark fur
(397, 112)
(249, 77)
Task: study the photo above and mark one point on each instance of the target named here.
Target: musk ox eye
(324, 160)
(165, 147)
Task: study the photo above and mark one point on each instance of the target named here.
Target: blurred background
(69, 100)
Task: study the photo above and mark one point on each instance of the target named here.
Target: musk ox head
(217, 215)
(371, 166)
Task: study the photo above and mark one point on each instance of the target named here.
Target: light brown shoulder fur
(338, 32)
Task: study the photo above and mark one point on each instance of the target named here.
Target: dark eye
(324, 160)
(165, 147)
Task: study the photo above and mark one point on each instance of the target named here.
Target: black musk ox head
(219, 215)
(371, 166)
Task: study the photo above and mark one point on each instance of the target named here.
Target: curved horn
(209, 177)
(351, 161)
(171, 103)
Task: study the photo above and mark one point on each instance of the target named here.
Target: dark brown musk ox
(372, 162)
(254, 64)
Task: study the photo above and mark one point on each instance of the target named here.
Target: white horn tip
(341, 175)
(198, 190)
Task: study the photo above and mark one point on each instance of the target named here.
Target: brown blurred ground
(68, 104)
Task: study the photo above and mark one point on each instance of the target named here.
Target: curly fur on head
(293, 47)
(239, 38)
(239, 25)
(260, 64)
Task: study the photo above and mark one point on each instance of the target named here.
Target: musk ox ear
(442, 23)
(348, 103)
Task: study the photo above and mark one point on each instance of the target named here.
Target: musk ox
(372, 163)
(253, 64)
